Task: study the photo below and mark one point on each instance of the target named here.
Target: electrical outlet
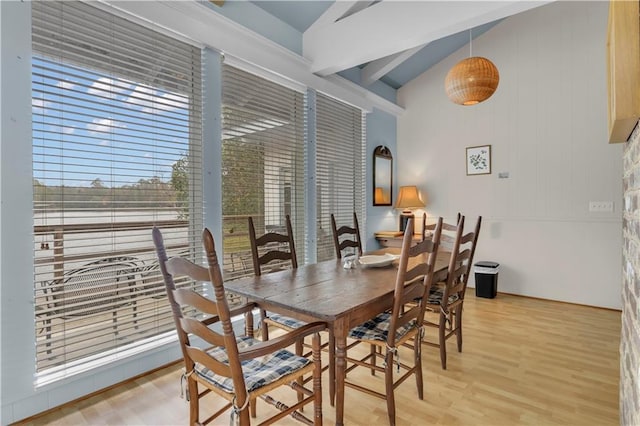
(601, 206)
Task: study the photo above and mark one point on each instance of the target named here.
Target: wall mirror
(382, 176)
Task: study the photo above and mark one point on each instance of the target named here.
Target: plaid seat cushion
(288, 322)
(378, 328)
(258, 372)
(437, 292)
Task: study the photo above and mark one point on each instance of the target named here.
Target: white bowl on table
(377, 261)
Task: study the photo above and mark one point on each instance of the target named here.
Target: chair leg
(252, 407)
(194, 402)
(388, 380)
(264, 326)
(244, 417)
(417, 355)
(442, 328)
(458, 320)
(300, 380)
(373, 358)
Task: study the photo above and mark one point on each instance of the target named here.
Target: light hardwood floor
(524, 362)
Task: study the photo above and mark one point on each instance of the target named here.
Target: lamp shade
(408, 198)
(471, 81)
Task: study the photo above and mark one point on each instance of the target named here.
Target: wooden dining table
(326, 291)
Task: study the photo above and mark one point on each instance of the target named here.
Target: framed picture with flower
(479, 160)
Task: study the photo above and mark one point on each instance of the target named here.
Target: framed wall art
(479, 160)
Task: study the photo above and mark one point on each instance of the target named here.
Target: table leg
(332, 367)
(340, 331)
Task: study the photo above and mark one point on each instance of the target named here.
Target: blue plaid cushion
(437, 292)
(378, 328)
(258, 372)
(288, 322)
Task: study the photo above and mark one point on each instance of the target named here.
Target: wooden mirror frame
(382, 176)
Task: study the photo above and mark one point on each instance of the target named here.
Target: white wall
(15, 192)
(547, 125)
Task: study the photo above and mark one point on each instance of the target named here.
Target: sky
(89, 125)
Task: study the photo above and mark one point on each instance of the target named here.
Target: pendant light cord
(470, 45)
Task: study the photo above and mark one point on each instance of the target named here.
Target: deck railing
(126, 307)
(59, 231)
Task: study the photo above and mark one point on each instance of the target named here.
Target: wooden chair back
(453, 283)
(272, 246)
(447, 295)
(346, 236)
(414, 279)
(461, 261)
(449, 230)
(187, 300)
(469, 241)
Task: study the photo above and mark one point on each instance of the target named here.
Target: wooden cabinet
(623, 68)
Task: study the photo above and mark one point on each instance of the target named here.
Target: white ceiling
(393, 41)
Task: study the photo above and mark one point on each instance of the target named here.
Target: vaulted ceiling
(393, 41)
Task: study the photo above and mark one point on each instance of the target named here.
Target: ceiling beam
(197, 21)
(388, 27)
(374, 70)
(336, 11)
(357, 7)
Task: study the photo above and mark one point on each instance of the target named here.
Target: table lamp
(408, 199)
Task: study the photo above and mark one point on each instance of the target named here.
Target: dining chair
(270, 252)
(446, 297)
(346, 236)
(240, 369)
(402, 325)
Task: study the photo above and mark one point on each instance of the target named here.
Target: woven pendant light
(471, 80)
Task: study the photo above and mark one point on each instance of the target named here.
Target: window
(339, 169)
(262, 164)
(116, 150)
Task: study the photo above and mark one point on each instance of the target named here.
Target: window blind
(263, 135)
(116, 150)
(340, 187)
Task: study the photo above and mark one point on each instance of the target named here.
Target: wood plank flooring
(524, 362)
